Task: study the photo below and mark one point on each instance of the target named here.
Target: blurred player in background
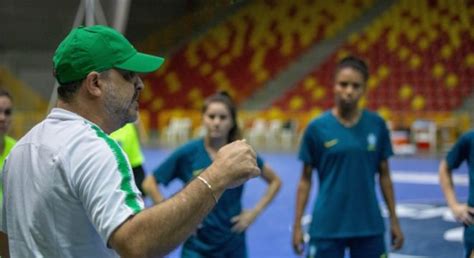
(222, 233)
(348, 147)
(463, 150)
(6, 142)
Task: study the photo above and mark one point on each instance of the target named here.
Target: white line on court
(426, 178)
(392, 255)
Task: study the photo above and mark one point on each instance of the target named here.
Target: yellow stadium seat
(403, 53)
(275, 113)
(353, 38)
(418, 103)
(315, 112)
(261, 75)
(451, 81)
(438, 70)
(309, 83)
(147, 93)
(362, 102)
(423, 43)
(197, 104)
(415, 61)
(194, 94)
(257, 59)
(225, 59)
(446, 51)
(384, 112)
(318, 93)
(412, 33)
(454, 36)
(342, 54)
(172, 82)
(205, 69)
(362, 46)
(373, 82)
(191, 56)
(383, 72)
(157, 104)
(405, 92)
(296, 103)
(287, 46)
(469, 60)
(210, 49)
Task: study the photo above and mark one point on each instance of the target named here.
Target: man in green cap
(68, 187)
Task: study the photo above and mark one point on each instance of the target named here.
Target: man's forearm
(160, 229)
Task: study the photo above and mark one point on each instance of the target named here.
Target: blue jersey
(462, 151)
(214, 234)
(347, 160)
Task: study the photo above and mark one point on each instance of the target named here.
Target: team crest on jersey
(371, 142)
(330, 143)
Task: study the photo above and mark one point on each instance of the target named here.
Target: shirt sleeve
(308, 152)
(386, 143)
(170, 168)
(102, 179)
(458, 153)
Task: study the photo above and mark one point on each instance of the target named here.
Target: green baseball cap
(98, 48)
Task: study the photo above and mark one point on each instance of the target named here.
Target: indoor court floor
(429, 228)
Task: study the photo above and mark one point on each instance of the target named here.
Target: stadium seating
(421, 59)
(244, 51)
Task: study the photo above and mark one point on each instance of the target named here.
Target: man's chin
(133, 116)
(132, 119)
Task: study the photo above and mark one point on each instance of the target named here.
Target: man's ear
(93, 85)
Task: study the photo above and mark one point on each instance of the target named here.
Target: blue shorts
(359, 247)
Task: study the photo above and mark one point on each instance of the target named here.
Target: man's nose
(139, 84)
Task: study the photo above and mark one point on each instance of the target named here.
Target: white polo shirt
(67, 187)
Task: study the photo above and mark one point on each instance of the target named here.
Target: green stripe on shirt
(124, 169)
